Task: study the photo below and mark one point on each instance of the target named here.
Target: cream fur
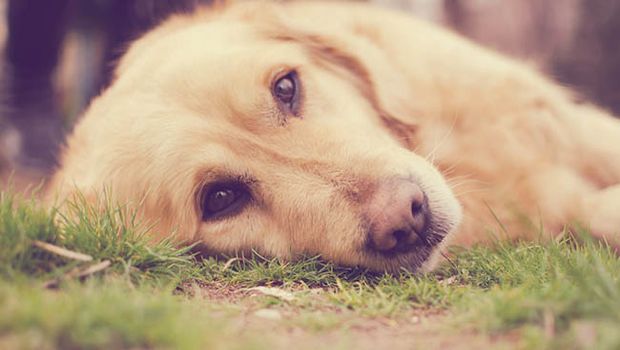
(191, 104)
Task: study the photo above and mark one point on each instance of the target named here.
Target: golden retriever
(363, 135)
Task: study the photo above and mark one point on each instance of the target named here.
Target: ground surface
(91, 280)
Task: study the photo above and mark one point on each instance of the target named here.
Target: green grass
(156, 295)
(98, 316)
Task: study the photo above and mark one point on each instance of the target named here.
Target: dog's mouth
(398, 250)
(408, 257)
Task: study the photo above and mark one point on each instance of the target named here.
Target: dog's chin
(421, 258)
(399, 263)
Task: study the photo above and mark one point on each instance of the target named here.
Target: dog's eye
(286, 92)
(224, 199)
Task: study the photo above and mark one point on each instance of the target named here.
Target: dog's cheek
(250, 231)
(331, 228)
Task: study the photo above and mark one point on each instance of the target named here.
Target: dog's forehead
(205, 41)
(215, 32)
(189, 80)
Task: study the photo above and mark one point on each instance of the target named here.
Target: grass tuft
(96, 316)
(102, 231)
(257, 270)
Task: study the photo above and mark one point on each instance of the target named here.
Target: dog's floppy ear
(369, 69)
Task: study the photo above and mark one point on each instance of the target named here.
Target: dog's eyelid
(211, 176)
(287, 91)
(214, 174)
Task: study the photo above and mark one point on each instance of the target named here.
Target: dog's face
(244, 138)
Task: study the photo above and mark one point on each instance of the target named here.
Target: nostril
(419, 212)
(401, 236)
(417, 206)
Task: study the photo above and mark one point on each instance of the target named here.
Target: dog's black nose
(398, 215)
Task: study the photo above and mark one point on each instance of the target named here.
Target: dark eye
(286, 92)
(223, 199)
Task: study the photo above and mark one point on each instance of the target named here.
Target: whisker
(463, 193)
(431, 156)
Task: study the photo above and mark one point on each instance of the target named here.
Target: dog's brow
(329, 56)
(209, 175)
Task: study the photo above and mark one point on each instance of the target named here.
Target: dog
(355, 133)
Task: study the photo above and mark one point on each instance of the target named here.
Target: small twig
(229, 263)
(94, 269)
(53, 283)
(62, 251)
(78, 273)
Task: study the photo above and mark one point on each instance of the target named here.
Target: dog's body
(191, 106)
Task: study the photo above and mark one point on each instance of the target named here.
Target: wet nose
(398, 215)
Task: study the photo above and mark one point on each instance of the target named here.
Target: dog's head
(245, 133)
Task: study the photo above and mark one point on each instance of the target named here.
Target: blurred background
(57, 54)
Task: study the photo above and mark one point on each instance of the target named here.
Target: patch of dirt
(214, 292)
(297, 325)
(360, 333)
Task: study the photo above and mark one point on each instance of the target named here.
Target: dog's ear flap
(370, 71)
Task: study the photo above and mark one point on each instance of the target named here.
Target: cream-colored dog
(352, 132)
